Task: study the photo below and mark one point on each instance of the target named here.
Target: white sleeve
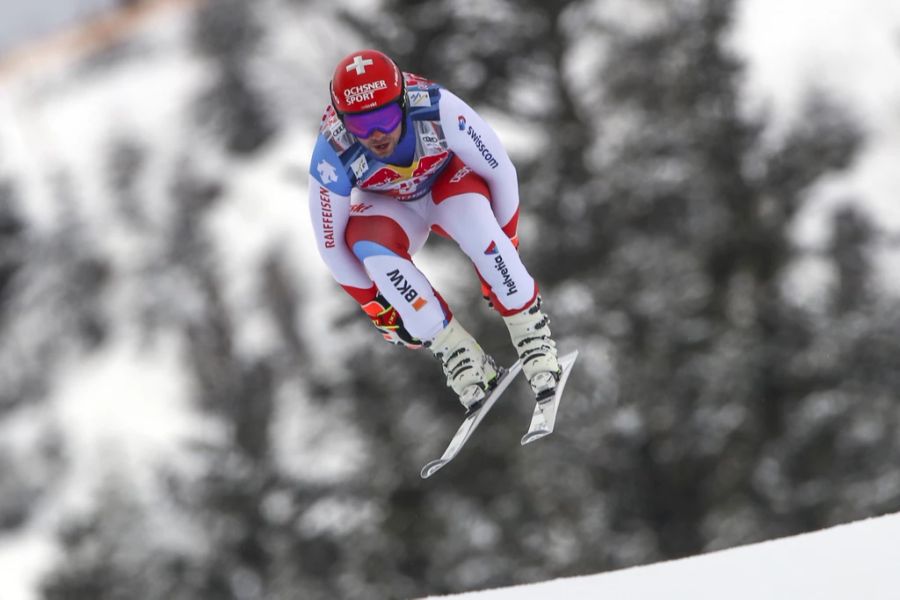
(329, 213)
(478, 146)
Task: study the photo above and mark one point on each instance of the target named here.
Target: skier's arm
(478, 146)
(329, 211)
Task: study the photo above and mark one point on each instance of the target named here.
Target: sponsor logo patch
(327, 217)
(404, 183)
(364, 92)
(491, 249)
(419, 99)
(406, 289)
(327, 172)
(507, 278)
(360, 166)
(428, 164)
(485, 152)
(462, 122)
(382, 176)
(458, 176)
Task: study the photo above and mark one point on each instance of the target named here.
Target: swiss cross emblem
(359, 63)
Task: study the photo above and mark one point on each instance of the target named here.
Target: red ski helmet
(366, 80)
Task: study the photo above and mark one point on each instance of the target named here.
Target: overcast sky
(852, 50)
(22, 20)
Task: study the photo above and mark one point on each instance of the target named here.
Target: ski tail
(471, 422)
(543, 419)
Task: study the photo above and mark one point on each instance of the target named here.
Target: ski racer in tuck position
(397, 157)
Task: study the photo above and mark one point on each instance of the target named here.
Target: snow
(851, 51)
(115, 410)
(839, 46)
(23, 559)
(858, 560)
(123, 410)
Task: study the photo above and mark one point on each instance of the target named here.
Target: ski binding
(544, 417)
(472, 421)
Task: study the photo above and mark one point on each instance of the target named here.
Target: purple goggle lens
(384, 119)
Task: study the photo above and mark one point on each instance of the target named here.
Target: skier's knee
(377, 235)
(364, 249)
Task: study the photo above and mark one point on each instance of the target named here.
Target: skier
(398, 156)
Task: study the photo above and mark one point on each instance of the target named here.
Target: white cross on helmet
(359, 63)
(365, 80)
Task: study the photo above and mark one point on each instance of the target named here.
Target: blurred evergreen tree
(12, 246)
(238, 514)
(126, 549)
(233, 108)
(658, 222)
(126, 163)
(709, 407)
(53, 284)
(851, 249)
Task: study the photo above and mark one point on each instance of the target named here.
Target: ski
(544, 417)
(470, 424)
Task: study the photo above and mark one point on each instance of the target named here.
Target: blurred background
(190, 408)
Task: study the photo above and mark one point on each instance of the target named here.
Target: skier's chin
(382, 149)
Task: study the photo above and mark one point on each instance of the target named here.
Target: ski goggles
(384, 119)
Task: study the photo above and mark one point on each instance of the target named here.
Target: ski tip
(532, 436)
(569, 359)
(432, 467)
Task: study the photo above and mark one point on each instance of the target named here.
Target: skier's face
(381, 144)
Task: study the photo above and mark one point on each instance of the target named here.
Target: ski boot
(470, 372)
(530, 334)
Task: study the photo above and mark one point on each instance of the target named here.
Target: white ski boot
(530, 334)
(470, 372)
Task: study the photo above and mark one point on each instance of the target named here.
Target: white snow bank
(860, 560)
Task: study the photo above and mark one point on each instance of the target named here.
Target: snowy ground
(859, 560)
